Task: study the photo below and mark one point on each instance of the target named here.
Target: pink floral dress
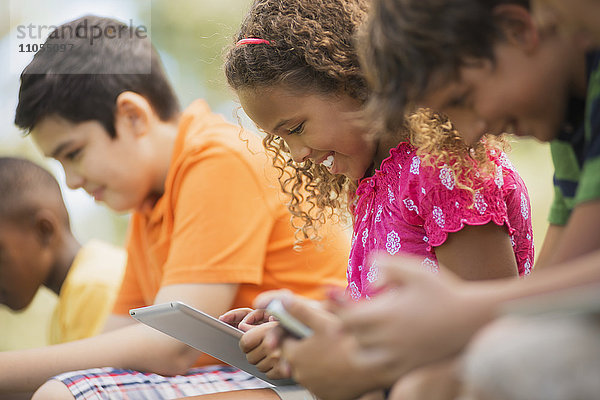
(410, 208)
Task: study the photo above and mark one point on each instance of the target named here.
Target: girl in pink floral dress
(412, 203)
(421, 191)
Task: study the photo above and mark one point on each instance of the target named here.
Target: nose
(298, 150)
(74, 180)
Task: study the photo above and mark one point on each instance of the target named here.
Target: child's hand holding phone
(287, 321)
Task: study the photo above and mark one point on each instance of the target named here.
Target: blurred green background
(191, 36)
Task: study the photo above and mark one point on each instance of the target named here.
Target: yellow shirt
(28, 328)
(88, 293)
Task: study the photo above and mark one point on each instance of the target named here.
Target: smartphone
(287, 321)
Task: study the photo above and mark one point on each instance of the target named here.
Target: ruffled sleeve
(445, 207)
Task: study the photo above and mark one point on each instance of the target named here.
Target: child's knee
(548, 347)
(53, 390)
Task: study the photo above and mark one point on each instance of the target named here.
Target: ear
(517, 26)
(45, 227)
(133, 114)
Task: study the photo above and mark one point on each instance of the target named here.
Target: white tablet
(202, 332)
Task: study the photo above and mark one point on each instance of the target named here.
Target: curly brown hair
(312, 50)
(439, 144)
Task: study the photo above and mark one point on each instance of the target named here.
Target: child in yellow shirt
(37, 248)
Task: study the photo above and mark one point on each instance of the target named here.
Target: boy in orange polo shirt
(209, 227)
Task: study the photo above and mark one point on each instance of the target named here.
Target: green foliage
(196, 33)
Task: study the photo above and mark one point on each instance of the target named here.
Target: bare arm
(466, 252)
(116, 322)
(478, 252)
(551, 241)
(473, 253)
(136, 346)
(429, 304)
(580, 236)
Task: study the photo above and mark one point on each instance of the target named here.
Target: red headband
(251, 41)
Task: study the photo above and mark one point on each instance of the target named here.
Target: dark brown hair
(25, 187)
(409, 46)
(53, 83)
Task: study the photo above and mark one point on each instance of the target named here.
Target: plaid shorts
(125, 384)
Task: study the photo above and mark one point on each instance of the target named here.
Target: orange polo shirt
(222, 219)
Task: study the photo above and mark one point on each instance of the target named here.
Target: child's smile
(322, 128)
(106, 168)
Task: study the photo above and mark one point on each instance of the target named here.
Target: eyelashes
(71, 155)
(297, 130)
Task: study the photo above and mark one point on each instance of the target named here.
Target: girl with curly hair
(419, 190)
(295, 70)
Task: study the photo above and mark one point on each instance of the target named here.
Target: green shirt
(576, 151)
